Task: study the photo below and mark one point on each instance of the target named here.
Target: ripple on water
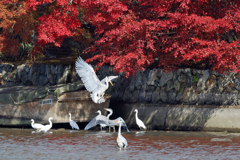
(63, 144)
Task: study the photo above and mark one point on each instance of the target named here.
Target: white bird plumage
(91, 81)
(121, 141)
(112, 123)
(45, 128)
(99, 119)
(138, 121)
(36, 126)
(72, 123)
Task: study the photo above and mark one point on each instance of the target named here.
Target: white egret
(72, 123)
(91, 81)
(100, 119)
(47, 127)
(112, 123)
(36, 126)
(138, 121)
(121, 141)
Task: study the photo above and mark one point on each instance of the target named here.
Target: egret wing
(100, 119)
(88, 76)
(124, 125)
(73, 124)
(110, 78)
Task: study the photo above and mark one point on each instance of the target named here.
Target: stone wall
(37, 75)
(185, 86)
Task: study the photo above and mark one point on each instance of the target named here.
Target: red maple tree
(133, 34)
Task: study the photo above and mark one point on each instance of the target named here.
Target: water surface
(67, 144)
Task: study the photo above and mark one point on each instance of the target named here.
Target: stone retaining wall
(185, 86)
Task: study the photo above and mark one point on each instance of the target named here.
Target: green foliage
(24, 49)
(195, 79)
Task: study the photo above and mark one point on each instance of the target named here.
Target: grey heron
(138, 121)
(121, 141)
(72, 123)
(91, 81)
(45, 128)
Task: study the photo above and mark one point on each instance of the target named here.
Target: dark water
(66, 144)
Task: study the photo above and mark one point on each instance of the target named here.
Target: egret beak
(116, 121)
(105, 108)
(110, 83)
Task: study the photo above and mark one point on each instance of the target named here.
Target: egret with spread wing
(112, 123)
(138, 121)
(100, 119)
(121, 141)
(72, 123)
(91, 81)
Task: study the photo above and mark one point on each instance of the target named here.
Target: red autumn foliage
(133, 34)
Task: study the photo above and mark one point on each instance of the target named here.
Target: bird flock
(102, 121)
(97, 90)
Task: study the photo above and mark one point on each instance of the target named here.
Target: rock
(170, 85)
(156, 95)
(172, 97)
(211, 82)
(138, 80)
(165, 78)
(182, 77)
(179, 97)
(205, 76)
(152, 76)
(217, 98)
(134, 97)
(43, 80)
(63, 78)
(190, 96)
(201, 98)
(159, 72)
(127, 95)
(142, 93)
(163, 95)
(176, 85)
(201, 85)
(50, 76)
(148, 97)
(209, 99)
(42, 69)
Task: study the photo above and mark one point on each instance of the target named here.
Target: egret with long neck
(138, 121)
(121, 141)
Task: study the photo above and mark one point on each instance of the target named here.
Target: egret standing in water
(91, 81)
(36, 126)
(72, 123)
(100, 119)
(121, 141)
(138, 121)
(47, 127)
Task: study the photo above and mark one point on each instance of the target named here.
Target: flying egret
(72, 123)
(99, 119)
(121, 141)
(138, 121)
(91, 81)
(36, 126)
(112, 123)
(47, 127)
